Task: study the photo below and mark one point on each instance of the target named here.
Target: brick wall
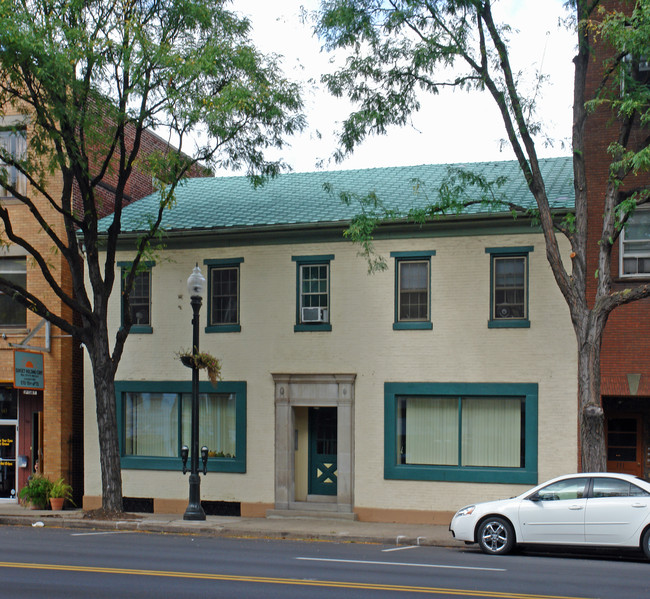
(63, 419)
(625, 345)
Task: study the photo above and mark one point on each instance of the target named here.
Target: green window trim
(396, 471)
(413, 256)
(319, 259)
(221, 263)
(510, 252)
(137, 329)
(236, 464)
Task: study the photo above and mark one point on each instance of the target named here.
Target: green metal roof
(312, 198)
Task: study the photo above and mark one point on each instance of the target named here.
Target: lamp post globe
(194, 511)
(196, 282)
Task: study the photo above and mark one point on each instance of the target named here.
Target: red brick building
(41, 429)
(625, 358)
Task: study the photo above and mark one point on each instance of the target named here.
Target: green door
(322, 451)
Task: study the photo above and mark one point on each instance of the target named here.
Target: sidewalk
(230, 526)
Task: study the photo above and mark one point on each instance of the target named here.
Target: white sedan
(597, 509)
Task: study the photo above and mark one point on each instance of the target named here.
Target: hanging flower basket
(186, 360)
(202, 361)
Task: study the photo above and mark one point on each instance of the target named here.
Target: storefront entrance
(8, 444)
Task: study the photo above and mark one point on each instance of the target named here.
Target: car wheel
(645, 543)
(496, 536)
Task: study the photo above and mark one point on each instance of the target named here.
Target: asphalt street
(74, 563)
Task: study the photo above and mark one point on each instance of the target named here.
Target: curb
(219, 530)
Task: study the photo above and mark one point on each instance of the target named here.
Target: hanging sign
(28, 370)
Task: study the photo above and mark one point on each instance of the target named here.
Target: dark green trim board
(236, 464)
(525, 475)
(128, 263)
(511, 252)
(317, 259)
(223, 263)
(425, 325)
(507, 251)
(426, 254)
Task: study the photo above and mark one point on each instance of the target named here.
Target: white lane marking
(90, 534)
(400, 548)
(352, 561)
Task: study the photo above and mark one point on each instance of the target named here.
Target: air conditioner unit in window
(314, 315)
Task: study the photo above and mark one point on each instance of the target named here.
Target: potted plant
(202, 360)
(59, 492)
(36, 493)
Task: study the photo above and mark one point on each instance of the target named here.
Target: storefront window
(8, 404)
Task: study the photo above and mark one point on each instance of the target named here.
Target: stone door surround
(313, 390)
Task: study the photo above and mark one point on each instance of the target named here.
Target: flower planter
(57, 503)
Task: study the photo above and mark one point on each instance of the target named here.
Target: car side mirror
(534, 497)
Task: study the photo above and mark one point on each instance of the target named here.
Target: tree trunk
(109, 454)
(591, 415)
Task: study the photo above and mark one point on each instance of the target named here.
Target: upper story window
(635, 246)
(636, 71)
(13, 314)
(509, 287)
(14, 144)
(223, 295)
(140, 297)
(412, 290)
(313, 293)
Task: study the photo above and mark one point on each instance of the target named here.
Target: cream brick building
(395, 396)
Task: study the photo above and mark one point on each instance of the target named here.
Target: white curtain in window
(432, 430)
(152, 424)
(217, 430)
(491, 432)
(413, 275)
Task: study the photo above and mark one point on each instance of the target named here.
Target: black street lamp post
(194, 511)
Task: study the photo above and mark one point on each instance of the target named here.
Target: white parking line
(90, 534)
(352, 561)
(400, 548)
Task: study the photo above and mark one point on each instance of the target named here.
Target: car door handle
(575, 507)
(638, 505)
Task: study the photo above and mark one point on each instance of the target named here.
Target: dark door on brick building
(624, 443)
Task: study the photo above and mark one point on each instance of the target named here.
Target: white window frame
(632, 254)
(18, 140)
(3, 271)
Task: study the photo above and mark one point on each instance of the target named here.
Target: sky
(454, 126)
